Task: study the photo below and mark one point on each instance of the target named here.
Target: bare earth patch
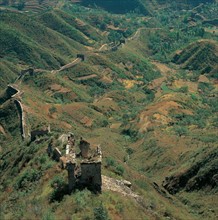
(164, 69)
(192, 86)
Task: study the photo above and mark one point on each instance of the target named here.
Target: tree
(21, 5)
(181, 130)
(101, 213)
(5, 2)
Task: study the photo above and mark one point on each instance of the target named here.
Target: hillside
(136, 80)
(122, 6)
(201, 56)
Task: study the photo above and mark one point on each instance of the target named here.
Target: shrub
(205, 87)
(119, 170)
(52, 110)
(57, 182)
(110, 161)
(48, 216)
(129, 150)
(181, 130)
(183, 89)
(132, 133)
(27, 178)
(100, 213)
(81, 198)
(21, 5)
(60, 189)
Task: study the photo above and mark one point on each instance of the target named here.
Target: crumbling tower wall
(91, 175)
(84, 148)
(84, 168)
(71, 175)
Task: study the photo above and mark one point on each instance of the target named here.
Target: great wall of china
(84, 168)
(14, 93)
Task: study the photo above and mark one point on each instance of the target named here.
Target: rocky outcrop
(121, 186)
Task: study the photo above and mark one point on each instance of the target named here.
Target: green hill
(122, 6)
(201, 56)
(116, 79)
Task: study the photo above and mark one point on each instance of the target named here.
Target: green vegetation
(100, 213)
(148, 96)
(114, 166)
(122, 6)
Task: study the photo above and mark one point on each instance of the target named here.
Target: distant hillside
(108, 77)
(139, 6)
(193, 2)
(26, 41)
(121, 6)
(30, 5)
(201, 55)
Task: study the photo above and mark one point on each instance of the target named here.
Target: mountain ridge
(110, 79)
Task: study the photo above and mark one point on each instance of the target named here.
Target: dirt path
(86, 77)
(164, 69)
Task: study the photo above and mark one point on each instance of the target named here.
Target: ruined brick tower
(84, 169)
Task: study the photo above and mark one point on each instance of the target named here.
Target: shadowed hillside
(121, 6)
(139, 87)
(201, 56)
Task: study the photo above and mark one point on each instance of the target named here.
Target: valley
(137, 78)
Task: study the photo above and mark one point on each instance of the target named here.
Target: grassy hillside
(117, 6)
(201, 56)
(155, 120)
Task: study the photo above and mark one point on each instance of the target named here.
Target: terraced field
(141, 85)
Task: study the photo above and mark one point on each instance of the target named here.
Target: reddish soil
(87, 122)
(192, 86)
(158, 113)
(156, 83)
(164, 69)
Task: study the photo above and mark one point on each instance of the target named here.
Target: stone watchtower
(84, 170)
(81, 56)
(91, 175)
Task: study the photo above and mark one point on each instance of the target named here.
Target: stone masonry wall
(71, 175)
(91, 175)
